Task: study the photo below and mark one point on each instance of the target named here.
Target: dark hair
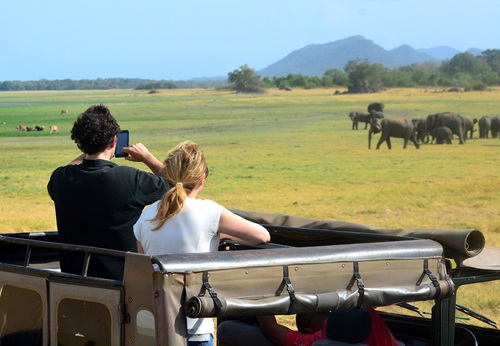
(94, 129)
(350, 326)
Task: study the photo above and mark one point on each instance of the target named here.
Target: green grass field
(287, 152)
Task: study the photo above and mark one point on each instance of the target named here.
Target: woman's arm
(140, 249)
(235, 227)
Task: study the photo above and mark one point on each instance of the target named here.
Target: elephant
(455, 122)
(495, 126)
(442, 135)
(376, 115)
(359, 117)
(421, 132)
(469, 125)
(376, 106)
(393, 127)
(485, 125)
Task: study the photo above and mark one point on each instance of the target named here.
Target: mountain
(444, 52)
(440, 52)
(475, 51)
(315, 59)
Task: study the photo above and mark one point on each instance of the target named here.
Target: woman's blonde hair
(183, 168)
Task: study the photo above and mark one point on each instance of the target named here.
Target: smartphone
(121, 143)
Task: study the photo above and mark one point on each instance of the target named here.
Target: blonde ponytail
(183, 168)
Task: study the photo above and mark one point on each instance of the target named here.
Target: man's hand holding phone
(122, 142)
(139, 153)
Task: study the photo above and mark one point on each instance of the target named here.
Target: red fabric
(380, 335)
(296, 338)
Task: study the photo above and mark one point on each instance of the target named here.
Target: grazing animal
(421, 132)
(64, 111)
(357, 117)
(469, 125)
(54, 129)
(39, 128)
(376, 106)
(21, 128)
(28, 128)
(393, 127)
(442, 135)
(455, 122)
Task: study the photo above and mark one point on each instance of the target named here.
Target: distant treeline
(464, 70)
(107, 83)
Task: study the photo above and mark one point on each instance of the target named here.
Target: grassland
(287, 152)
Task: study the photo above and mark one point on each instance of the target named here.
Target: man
(370, 328)
(349, 326)
(97, 201)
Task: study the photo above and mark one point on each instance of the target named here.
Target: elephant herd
(489, 123)
(441, 127)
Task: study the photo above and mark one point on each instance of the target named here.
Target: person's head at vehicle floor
(355, 326)
(98, 201)
(181, 223)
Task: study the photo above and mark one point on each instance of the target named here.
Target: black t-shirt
(97, 203)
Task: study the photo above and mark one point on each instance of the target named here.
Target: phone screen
(121, 143)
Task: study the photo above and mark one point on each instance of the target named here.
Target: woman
(181, 223)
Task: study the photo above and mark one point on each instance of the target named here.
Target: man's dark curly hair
(94, 129)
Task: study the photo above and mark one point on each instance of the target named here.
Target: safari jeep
(310, 265)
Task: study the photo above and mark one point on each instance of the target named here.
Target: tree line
(106, 83)
(464, 70)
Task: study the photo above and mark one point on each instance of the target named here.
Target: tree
(364, 77)
(492, 58)
(334, 77)
(245, 80)
(464, 63)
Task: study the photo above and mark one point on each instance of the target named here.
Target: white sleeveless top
(193, 230)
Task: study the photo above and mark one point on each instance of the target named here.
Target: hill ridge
(315, 59)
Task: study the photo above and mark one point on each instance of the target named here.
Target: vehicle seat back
(347, 327)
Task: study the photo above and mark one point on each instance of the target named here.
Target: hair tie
(179, 183)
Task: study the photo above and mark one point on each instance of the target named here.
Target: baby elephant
(393, 127)
(442, 135)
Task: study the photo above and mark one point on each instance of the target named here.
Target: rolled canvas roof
(306, 279)
(316, 265)
(458, 244)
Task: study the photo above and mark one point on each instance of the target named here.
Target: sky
(185, 39)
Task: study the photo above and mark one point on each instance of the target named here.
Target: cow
(39, 128)
(54, 129)
(29, 128)
(21, 128)
(64, 111)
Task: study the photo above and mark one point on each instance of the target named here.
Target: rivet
(130, 299)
